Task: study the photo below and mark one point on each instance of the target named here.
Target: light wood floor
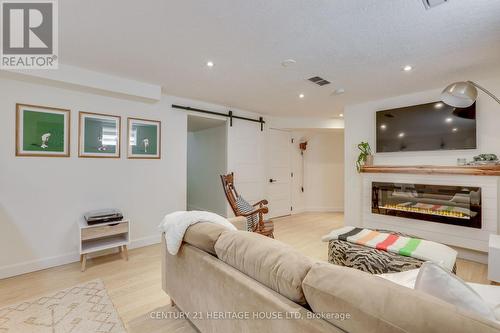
(303, 231)
(135, 285)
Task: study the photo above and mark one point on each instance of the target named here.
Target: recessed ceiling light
(407, 68)
(210, 64)
(383, 126)
(401, 135)
(439, 105)
(455, 130)
(341, 115)
(288, 62)
(449, 120)
(339, 91)
(301, 96)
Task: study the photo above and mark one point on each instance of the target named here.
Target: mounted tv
(432, 126)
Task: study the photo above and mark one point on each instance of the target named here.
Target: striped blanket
(410, 247)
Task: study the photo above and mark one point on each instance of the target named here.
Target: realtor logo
(29, 34)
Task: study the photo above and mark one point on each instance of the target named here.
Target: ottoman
(371, 260)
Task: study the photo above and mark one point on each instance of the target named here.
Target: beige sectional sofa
(237, 281)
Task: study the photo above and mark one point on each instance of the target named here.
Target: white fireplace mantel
(458, 236)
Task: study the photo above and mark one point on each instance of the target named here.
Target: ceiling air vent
(433, 3)
(319, 81)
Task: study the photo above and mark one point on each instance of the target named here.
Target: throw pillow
(438, 282)
(245, 207)
(406, 279)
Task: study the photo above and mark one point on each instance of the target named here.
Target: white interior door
(279, 173)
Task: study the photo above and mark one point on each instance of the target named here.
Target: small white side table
(103, 236)
(494, 259)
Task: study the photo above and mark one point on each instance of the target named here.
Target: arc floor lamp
(463, 94)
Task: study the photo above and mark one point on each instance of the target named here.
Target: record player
(103, 216)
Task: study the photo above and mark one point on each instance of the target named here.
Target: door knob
(272, 180)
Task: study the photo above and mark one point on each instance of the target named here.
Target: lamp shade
(459, 94)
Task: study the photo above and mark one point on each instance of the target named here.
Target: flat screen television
(432, 126)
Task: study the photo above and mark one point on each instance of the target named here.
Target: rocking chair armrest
(263, 210)
(261, 203)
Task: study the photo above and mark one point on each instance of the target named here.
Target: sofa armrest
(240, 222)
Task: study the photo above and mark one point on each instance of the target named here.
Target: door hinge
(291, 208)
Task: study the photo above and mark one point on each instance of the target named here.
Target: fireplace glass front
(457, 205)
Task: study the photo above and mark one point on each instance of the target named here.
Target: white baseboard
(317, 210)
(145, 241)
(37, 264)
(333, 209)
(296, 211)
(471, 255)
(44, 263)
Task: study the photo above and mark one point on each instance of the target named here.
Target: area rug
(83, 308)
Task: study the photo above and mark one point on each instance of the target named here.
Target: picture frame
(42, 131)
(99, 135)
(143, 138)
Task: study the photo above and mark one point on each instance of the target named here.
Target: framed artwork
(99, 135)
(144, 138)
(42, 131)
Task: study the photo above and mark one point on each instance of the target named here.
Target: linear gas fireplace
(457, 205)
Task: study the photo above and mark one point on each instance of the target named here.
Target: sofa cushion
(378, 305)
(272, 263)
(203, 235)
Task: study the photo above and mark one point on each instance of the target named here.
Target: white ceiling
(359, 45)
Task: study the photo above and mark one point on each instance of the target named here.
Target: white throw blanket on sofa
(174, 225)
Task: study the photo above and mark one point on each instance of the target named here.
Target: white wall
(360, 126)
(323, 171)
(41, 199)
(206, 160)
(305, 123)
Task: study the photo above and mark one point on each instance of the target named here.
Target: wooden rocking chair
(265, 228)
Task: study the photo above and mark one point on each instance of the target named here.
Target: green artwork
(101, 136)
(43, 131)
(144, 139)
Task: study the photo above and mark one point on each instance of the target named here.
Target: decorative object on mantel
(365, 157)
(471, 170)
(463, 94)
(485, 159)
